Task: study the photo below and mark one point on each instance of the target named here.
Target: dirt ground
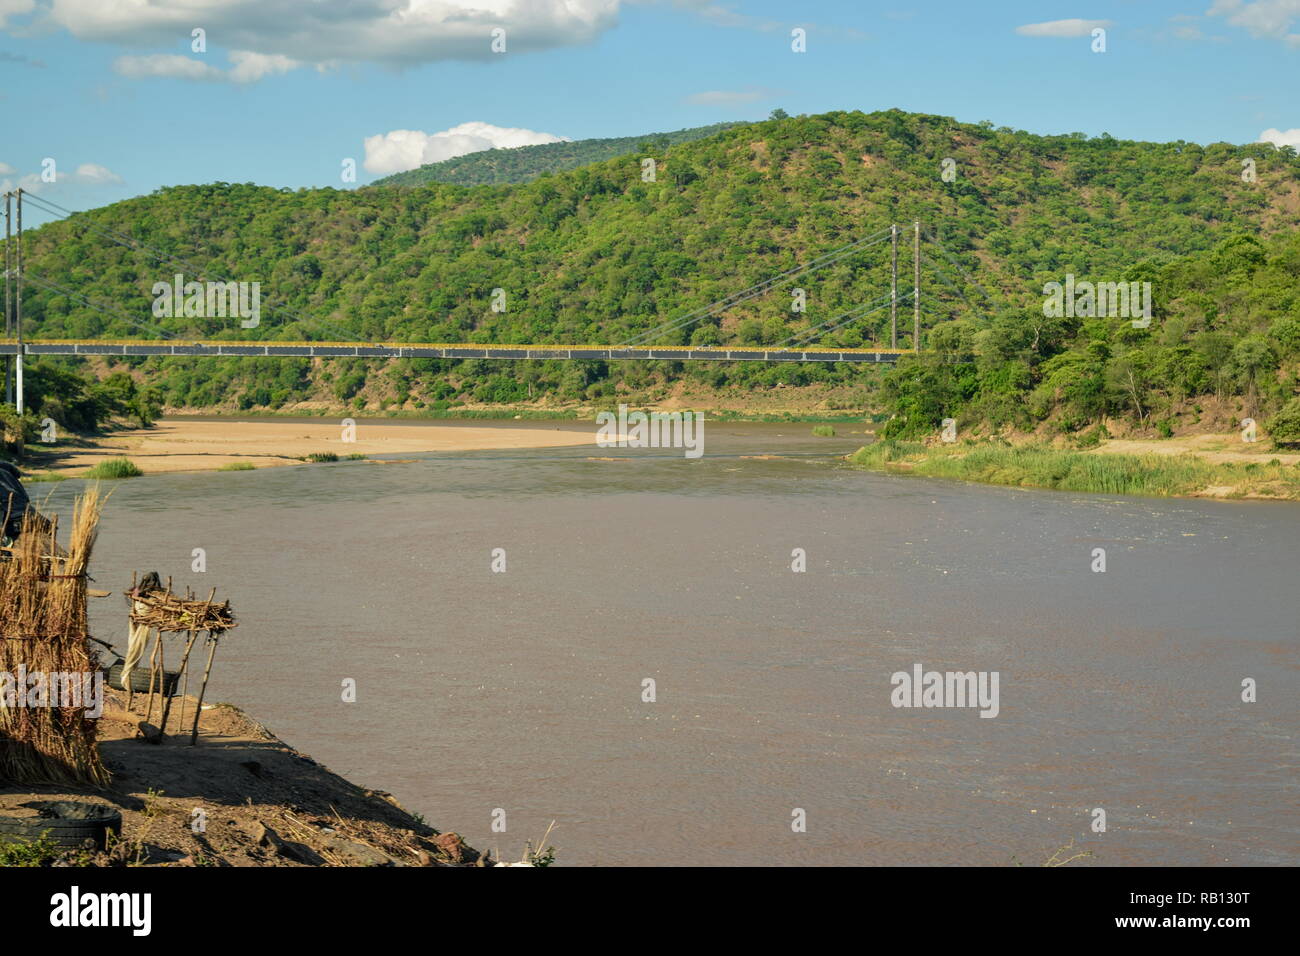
(261, 802)
(181, 445)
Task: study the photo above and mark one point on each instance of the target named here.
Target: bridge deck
(461, 350)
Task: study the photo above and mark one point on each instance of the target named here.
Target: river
(523, 690)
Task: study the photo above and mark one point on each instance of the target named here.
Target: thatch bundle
(43, 629)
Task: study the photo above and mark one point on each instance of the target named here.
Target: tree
(1284, 427)
(1251, 358)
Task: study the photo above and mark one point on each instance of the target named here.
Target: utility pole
(9, 384)
(18, 308)
(893, 286)
(915, 289)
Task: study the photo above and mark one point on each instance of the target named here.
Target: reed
(43, 630)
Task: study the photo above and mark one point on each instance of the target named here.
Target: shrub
(115, 468)
(1284, 427)
(42, 852)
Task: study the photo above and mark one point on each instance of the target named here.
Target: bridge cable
(804, 336)
(929, 237)
(127, 241)
(943, 276)
(122, 240)
(110, 312)
(744, 295)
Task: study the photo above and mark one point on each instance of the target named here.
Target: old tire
(65, 823)
(140, 680)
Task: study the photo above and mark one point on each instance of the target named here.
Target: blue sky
(285, 91)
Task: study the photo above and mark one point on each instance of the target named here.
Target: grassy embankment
(1039, 466)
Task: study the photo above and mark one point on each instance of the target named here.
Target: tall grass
(1037, 466)
(115, 468)
(824, 431)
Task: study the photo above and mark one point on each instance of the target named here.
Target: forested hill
(596, 255)
(524, 163)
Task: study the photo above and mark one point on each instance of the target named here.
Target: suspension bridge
(444, 351)
(801, 346)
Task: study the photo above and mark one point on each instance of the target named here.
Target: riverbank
(182, 444)
(1204, 467)
(261, 802)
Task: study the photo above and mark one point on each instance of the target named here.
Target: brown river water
(523, 690)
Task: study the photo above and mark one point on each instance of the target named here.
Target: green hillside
(596, 255)
(524, 163)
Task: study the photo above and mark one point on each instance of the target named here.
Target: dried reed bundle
(43, 630)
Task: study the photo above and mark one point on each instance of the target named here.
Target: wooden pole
(916, 287)
(185, 674)
(153, 673)
(185, 680)
(9, 380)
(18, 308)
(153, 668)
(893, 286)
(198, 710)
(184, 659)
(130, 630)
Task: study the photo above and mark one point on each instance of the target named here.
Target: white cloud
(1278, 137)
(247, 67)
(87, 174)
(171, 65)
(1263, 18)
(94, 174)
(731, 97)
(250, 67)
(14, 8)
(328, 32)
(403, 149)
(1061, 28)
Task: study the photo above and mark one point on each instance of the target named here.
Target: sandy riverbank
(179, 444)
